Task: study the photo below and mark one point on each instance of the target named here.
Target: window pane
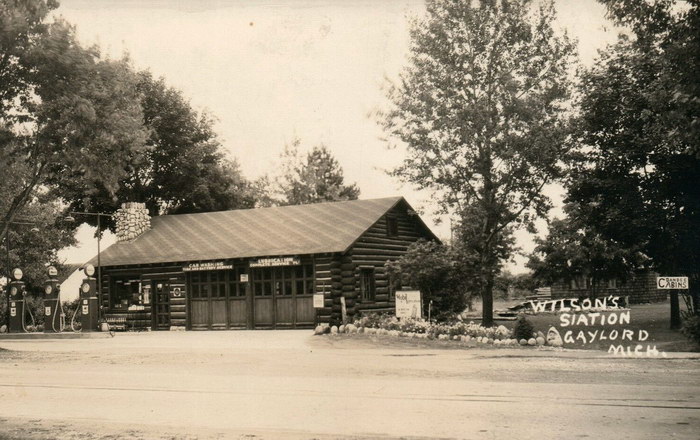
(257, 288)
(367, 284)
(299, 271)
(299, 285)
(267, 289)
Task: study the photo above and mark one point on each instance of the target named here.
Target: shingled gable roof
(243, 233)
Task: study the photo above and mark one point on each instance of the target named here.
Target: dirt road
(289, 384)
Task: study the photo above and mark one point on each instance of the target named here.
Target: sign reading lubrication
(275, 262)
(668, 283)
(408, 304)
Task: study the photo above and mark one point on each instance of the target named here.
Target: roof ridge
(280, 207)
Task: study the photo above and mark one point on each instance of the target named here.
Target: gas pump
(52, 303)
(17, 290)
(88, 300)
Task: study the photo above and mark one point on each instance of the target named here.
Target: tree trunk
(487, 301)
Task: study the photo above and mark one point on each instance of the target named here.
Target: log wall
(373, 249)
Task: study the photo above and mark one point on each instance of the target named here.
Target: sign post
(673, 284)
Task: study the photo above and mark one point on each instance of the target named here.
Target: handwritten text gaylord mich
(601, 312)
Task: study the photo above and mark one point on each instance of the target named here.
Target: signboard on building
(209, 265)
(275, 262)
(408, 304)
(318, 301)
(244, 278)
(672, 282)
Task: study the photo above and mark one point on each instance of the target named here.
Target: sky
(271, 71)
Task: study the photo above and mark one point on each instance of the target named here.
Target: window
(204, 285)
(284, 281)
(125, 292)
(367, 286)
(236, 288)
(392, 226)
(578, 283)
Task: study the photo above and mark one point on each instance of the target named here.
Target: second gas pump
(52, 303)
(88, 301)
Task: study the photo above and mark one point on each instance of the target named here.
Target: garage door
(283, 296)
(277, 297)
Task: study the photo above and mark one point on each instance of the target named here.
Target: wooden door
(284, 297)
(238, 299)
(161, 305)
(218, 315)
(198, 300)
(263, 302)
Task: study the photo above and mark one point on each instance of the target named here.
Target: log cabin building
(255, 268)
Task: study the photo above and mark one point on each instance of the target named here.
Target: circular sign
(89, 270)
(177, 293)
(13, 290)
(52, 271)
(17, 274)
(85, 287)
(48, 289)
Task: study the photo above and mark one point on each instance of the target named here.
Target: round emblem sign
(17, 273)
(13, 290)
(89, 270)
(85, 287)
(48, 290)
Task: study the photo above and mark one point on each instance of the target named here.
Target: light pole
(99, 215)
(8, 269)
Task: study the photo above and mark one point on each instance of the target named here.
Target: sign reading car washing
(668, 283)
(408, 304)
(275, 262)
(211, 265)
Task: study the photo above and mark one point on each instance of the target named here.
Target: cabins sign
(275, 262)
(210, 265)
(671, 283)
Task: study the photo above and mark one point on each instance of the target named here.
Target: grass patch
(654, 318)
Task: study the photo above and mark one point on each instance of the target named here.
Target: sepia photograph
(349, 219)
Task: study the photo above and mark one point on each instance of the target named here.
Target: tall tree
(66, 115)
(481, 111)
(312, 178)
(638, 167)
(184, 169)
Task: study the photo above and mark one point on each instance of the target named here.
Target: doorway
(160, 309)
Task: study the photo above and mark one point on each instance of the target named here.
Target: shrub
(691, 328)
(523, 328)
(433, 269)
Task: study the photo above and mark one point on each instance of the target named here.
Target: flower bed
(386, 325)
